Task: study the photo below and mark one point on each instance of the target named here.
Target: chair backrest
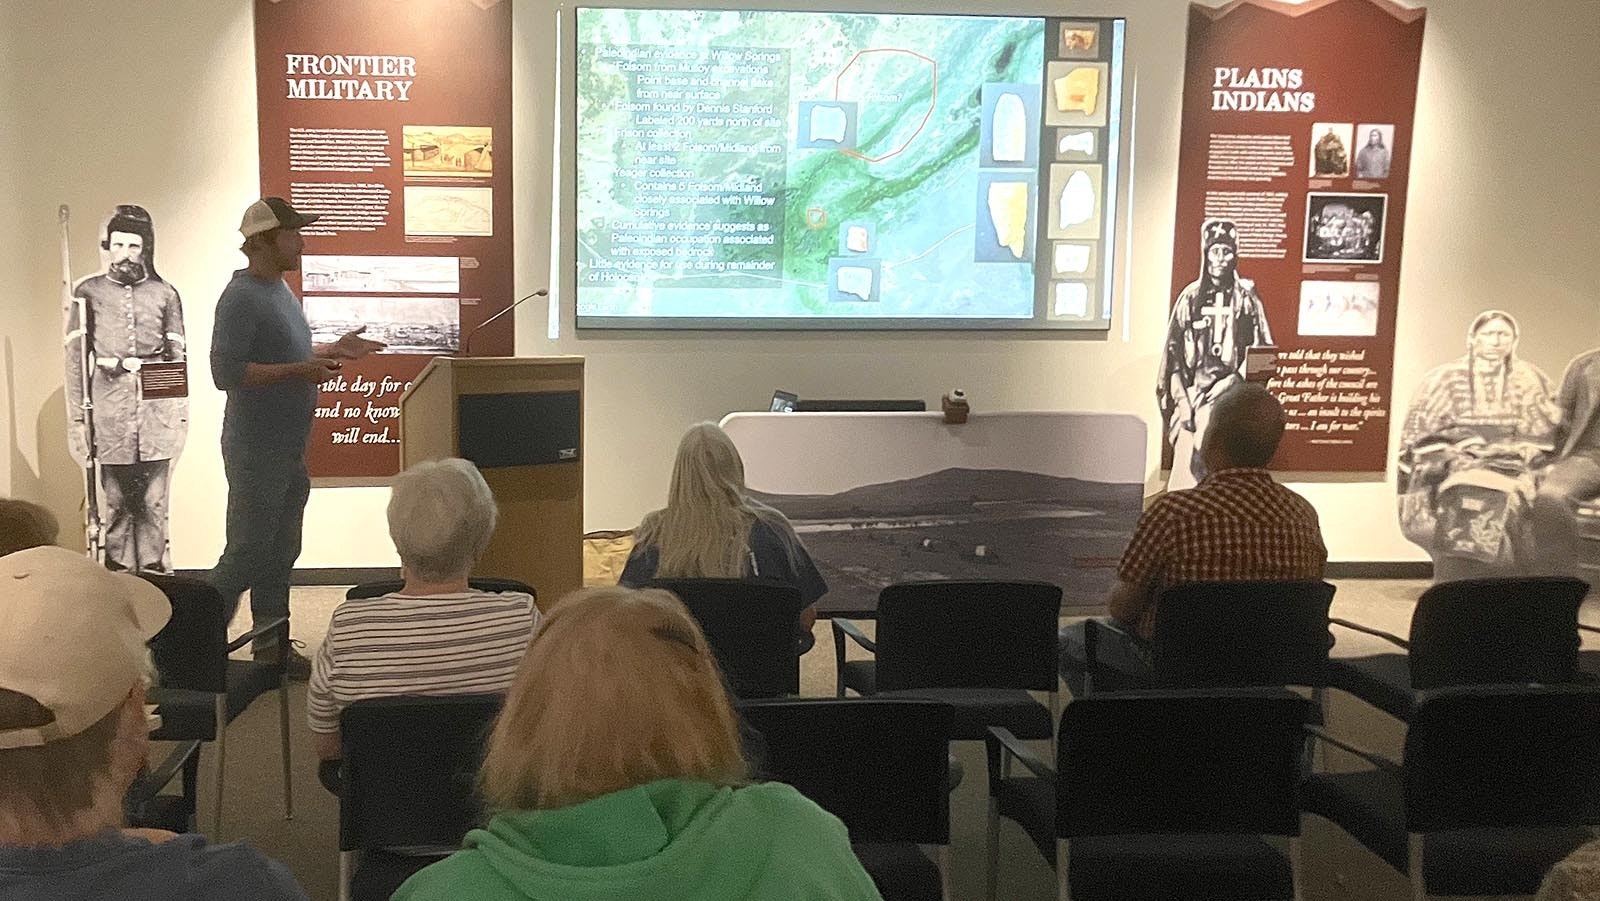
(1503, 756)
(410, 769)
(389, 586)
(1236, 634)
(1496, 631)
(750, 624)
(880, 766)
(191, 650)
(1215, 761)
(968, 634)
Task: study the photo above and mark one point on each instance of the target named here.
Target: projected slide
(784, 169)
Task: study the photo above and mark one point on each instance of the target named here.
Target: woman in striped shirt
(435, 636)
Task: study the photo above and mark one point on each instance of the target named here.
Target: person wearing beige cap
(73, 735)
(263, 357)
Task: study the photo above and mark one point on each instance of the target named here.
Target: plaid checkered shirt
(1236, 524)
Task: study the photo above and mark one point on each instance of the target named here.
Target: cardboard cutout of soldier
(119, 321)
(1217, 318)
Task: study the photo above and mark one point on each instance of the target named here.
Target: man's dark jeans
(266, 509)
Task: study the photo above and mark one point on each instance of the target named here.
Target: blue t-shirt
(114, 865)
(261, 322)
(775, 553)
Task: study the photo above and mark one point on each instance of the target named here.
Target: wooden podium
(520, 419)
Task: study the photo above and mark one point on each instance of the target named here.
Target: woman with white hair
(436, 635)
(712, 529)
(615, 771)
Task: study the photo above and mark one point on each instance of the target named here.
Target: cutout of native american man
(1216, 319)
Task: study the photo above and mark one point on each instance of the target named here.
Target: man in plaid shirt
(1237, 524)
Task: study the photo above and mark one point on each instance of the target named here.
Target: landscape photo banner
(1292, 171)
(391, 119)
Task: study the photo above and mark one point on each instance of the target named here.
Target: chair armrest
(1386, 636)
(281, 623)
(1001, 739)
(151, 783)
(1377, 760)
(843, 627)
(1091, 644)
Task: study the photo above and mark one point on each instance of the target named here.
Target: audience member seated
(435, 636)
(1237, 524)
(712, 528)
(73, 727)
(617, 773)
(24, 525)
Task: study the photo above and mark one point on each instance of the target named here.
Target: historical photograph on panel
(448, 151)
(126, 390)
(1497, 471)
(408, 325)
(1345, 228)
(380, 274)
(1372, 160)
(1215, 321)
(1339, 308)
(465, 212)
(1051, 497)
(1330, 149)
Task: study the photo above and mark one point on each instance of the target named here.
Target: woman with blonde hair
(615, 771)
(712, 528)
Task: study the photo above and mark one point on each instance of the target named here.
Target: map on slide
(740, 164)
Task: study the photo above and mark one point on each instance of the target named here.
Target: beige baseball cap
(269, 213)
(72, 637)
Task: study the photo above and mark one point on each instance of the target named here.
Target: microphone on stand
(467, 341)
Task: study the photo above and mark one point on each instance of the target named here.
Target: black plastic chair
(1232, 635)
(881, 767)
(389, 586)
(201, 690)
(1498, 784)
(1471, 632)
(409, 786)
(750, 626)
(978, 646)
(144, 805)
(1160, 795)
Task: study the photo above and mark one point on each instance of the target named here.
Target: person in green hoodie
(616, 771)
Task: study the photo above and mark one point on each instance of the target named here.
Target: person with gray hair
(1236, 525)
(436, 635)
(74, 734)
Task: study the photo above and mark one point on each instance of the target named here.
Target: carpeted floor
(1336, 868)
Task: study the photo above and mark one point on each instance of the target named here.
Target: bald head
(1246, 425)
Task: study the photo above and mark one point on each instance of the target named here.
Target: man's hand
(351, 346)
(319, 369)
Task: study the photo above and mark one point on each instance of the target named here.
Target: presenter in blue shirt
(263, 357)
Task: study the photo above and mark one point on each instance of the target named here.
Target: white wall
(1504, 211)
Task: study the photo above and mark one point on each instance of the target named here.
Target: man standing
(128, 316)
(1215, 321)
(1237, 524)
(1575, 476)
(262, 356)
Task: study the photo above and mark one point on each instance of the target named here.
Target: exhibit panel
(880, 498)
(391, 121)
(1293, 168)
